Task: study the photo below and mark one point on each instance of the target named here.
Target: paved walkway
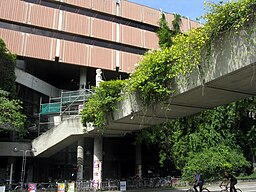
(214, 187)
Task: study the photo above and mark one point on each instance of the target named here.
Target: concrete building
(60, 44)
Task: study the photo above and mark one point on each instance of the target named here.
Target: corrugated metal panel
(185, 25)
(151, 16)
(131, 36)
(150, 40)
(43, 16)
(169, 18)
(40, 47)
(75, 23)
(131, 10)
(74, 53)
(80, 3)
(102, 58)
(103, 29)
(194, 24)
(14, 40)
(14, 10)
(107, 6)
(129, 60)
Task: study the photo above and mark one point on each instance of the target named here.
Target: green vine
(103, 102)
(155, 75)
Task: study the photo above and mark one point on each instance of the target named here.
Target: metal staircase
(68, 105)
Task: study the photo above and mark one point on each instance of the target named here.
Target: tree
(11, 119)
(165, 34)
(7, 70)
(205, 142)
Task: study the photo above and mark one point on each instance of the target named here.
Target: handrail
(62, 112)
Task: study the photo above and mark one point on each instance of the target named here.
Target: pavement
(213, 187)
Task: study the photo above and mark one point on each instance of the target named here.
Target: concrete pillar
(97, 162)
(11, 163)
(80, 159)
(83, 78)
(138, 160)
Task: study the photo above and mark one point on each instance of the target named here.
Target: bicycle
(191, 189)
(226, 189)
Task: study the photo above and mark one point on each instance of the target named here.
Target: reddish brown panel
(43, 16)
(14, 10)
(107, 6)
(150, 40)
(80, 3)
(169, 18)
(103, 29)
(194, 24)
(39, 47)
(75, 23)
(129, 61)
(131, 10)
(185, 25)
(131, 35)
(151, 16)
(14, 40)
(74, 53)
(102, 58)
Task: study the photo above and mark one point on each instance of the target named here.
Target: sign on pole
(122, 185)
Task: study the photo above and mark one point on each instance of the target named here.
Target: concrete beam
(58, 137)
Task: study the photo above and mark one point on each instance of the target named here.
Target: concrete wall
(7, 148)
(59, 137)
(36, 84)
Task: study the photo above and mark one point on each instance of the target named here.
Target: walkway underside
(229, 75)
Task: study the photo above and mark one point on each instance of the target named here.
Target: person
(198, 181)
(231, 180)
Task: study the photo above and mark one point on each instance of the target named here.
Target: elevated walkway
(229, 76)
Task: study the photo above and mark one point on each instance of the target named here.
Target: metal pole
(23, 168)
(39, 117)
(10, 180)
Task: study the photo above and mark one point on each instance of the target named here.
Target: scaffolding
(69, 104)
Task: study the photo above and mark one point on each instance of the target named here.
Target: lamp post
(24, 161)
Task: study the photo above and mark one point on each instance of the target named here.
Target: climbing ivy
(156, 73)
(103, 102)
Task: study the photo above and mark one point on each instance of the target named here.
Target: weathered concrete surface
(7, 148)
(57, 138)
(229, 75)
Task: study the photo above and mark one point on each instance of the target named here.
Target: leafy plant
(103, 102)
(11, 119)
(7, 66)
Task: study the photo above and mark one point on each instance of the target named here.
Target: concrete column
(11, 163)
(80, 159)
(83, 78)
(138, 160)
(97, 162)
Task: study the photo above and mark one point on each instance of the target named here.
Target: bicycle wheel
(205, 190)
(238, 190)
(224, 190)
(190, 190)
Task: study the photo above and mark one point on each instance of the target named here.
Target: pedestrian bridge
(229, 76)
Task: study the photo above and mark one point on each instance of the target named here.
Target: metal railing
(70, 103)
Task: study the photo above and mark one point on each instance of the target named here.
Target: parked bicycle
(191, 189)
(226, 188)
